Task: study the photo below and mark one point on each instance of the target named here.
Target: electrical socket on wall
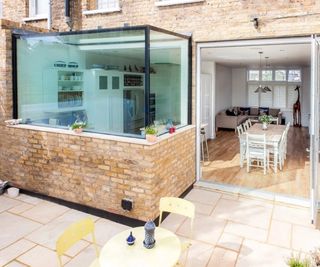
(127, 204)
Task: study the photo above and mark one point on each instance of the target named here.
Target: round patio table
(165, 253)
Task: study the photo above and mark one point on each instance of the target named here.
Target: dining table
(273, 137)
(117, 253)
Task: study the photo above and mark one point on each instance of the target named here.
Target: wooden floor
(224, 167)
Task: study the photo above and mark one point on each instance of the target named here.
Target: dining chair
(182, 207)
(239, 130)
(257, 151)
(245, 126)
(74, 233)
(204, 140)
(242, 144)
(280, 154)
(249, 123)
(286, 140)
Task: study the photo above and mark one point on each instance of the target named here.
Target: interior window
(253, 75)
(279, 96)
(294, 76)
(280, 75)
(266, 75)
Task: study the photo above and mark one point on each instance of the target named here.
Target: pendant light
(266, 88)
(260, 88)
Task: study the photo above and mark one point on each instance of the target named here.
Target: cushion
(230, 112)
(274, 112)
(245, 110)
(254, 111)
(263, 111)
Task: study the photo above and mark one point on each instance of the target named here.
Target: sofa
(232, 117)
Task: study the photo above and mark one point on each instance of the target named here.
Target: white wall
(239, 87)
(223, 87)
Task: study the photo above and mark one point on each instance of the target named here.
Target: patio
(229, 231)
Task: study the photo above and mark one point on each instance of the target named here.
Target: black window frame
(18, 34)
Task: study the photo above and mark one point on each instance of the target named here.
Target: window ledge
(176, 2)
(132, 140)
(101, 11)
(42, 17)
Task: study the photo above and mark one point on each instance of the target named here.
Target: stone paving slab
(228, 231)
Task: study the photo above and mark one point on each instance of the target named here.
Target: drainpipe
(67, 14)
(49, 15)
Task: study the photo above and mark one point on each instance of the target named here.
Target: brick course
(97, 172)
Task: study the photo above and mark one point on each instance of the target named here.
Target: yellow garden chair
(182, 207)
(74, 233)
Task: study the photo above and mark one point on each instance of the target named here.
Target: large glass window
(168, 80)
(100, 78)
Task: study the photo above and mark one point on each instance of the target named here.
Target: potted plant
(296, 261)
(265, 119)
(78, 126)
(151, 133)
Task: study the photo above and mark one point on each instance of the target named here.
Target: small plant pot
(264, 126)
(151, 138)
(13, 192)
(78, 130)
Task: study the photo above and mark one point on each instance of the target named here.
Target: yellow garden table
(117, 253)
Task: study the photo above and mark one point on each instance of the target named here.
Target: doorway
(238, 70)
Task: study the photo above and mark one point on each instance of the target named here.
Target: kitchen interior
(102, 85)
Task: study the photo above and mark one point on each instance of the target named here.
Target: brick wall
(208, 20)
(98, 172)
(216, 19)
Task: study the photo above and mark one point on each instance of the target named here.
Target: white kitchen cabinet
(104, 98)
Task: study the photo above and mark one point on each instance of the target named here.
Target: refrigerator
(133, 110)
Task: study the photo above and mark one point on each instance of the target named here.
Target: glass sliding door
(314, 128)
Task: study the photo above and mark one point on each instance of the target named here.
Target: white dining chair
(249, 123)
(204, 142)
(257, 152)
(242, 144)
(245, 126)
(280, 153)
(239, 130)
(286, 140)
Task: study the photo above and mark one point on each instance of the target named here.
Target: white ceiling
(279, 55)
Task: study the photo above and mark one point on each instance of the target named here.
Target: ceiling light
(260, 88)
(266, 88)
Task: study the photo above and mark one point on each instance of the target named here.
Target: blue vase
(131, 239)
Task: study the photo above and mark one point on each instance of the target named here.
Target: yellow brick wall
(98, 172)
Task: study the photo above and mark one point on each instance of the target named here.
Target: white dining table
(166, 252)
(273, 138)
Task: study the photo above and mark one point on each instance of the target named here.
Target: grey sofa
(231, 122)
